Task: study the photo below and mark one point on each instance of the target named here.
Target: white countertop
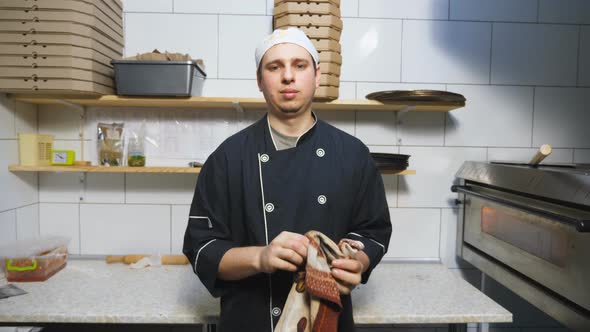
(90, 291)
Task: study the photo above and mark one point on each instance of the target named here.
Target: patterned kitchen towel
(313, 303)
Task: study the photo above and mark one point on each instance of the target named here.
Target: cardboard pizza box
(42, 47)
(95, 8)
(61, 39)
(318, 32)
(329, 80)
(49, 51)
(55, 61)
(326, 93)
(56, 16)
(327, 45)
(330, 68)
(53, 86)
(334, 2)
(307, 20)
(54, 28)
(57, 72)
(327, 56)
(287, 8)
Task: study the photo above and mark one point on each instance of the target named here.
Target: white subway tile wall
(179, 221)
(584, 57)
(416, 233)
(27, 222)
(534, 54)
(503, 109)
(401, 9)
(561, 117)
(568, 12)
(524, 67)
(124, 228)
(371, 50)
(61, 219)
(445, 52)
(494, 10)
(8, 225)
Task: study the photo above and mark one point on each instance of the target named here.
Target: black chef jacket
(248, 192)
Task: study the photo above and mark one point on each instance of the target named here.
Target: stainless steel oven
(529, 228)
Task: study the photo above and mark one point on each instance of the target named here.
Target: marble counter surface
(90, 291)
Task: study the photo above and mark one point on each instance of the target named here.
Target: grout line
(79, 228)
(358, 8)
(491, 53)
(18, 207)
(15, 225)
(538, 9)
(449, 13)
(573, 155)
(401, 51)
(533, 118)
(218, 42)
(14, 119)
(440, 233)
(170, 229)
(487, 154)
(173, 6)
(445, 120)
(578, 58)
(125, 188)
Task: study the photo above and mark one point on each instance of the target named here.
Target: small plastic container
(36, 268)
(34, 259)
(35, 149)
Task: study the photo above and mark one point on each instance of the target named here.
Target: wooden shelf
(103, 169)
(243, 103)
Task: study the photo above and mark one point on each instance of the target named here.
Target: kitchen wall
(19, 199)
(524, 67)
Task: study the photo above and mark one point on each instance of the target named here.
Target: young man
(266, 186)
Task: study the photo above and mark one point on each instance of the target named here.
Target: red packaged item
(34, 259)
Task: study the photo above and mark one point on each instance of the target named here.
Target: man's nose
(288, 75)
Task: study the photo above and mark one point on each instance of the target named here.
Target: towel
(313, 304)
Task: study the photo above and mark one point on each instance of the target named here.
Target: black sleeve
(208, 233)
(371, 224)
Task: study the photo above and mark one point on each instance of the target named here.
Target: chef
(267, 185)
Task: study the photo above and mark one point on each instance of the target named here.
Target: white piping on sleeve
(202, 217)
(382, 246)
(199, 252)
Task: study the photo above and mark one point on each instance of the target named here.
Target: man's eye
(273, 68)
(300, 66)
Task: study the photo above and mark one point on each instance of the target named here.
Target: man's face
(288, 78)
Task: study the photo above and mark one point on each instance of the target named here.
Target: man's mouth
(289, 93)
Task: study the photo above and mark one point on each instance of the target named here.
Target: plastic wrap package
(110, 144)
(34, 259)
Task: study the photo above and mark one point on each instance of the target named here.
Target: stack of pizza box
(65, 47)
(321, 22)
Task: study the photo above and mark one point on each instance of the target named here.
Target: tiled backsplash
(524, 67)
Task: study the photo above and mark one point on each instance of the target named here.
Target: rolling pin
(543, 152)
(165, 259)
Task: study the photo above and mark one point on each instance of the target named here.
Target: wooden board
(245, 103)
(103, 169)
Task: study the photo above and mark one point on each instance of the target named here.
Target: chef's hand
(347, 272)
(286, 252)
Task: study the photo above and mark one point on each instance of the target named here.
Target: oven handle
(580, 225)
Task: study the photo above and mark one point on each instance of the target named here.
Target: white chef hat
(290, 35)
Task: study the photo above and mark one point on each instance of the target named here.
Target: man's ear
(259, 81)
(318, 75)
